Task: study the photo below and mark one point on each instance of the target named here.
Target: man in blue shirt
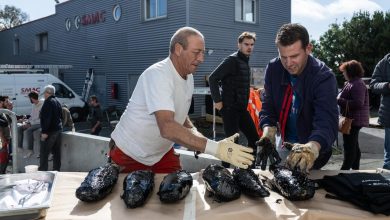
(300, 98)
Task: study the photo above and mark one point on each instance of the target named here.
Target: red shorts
(169, 163)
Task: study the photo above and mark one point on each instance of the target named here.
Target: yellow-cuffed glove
(269, 132)
(228, 151)
(302, 156)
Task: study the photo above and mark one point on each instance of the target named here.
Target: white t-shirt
(160, 87)
(34, 117)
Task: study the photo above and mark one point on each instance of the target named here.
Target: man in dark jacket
(300, 97)
(380, 84)
(51, 124)
(95, 115)
(5, 135)
(233, 74)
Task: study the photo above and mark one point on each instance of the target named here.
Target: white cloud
(307, 9)
(319, 10)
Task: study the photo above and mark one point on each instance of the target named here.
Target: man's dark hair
(94, 98)
(33, 95)
(353, 69)
(290, 33)
(3, 98)
(246, 34)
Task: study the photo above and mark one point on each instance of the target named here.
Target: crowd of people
(49, 118)
(301, 104)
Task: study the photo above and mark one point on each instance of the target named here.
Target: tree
(11, 16)
(364, 38)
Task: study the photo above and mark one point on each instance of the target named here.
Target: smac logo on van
(26, 91)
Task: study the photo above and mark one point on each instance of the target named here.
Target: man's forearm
(96, 125)
(184, 136)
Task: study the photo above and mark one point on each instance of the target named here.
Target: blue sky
(315, 15)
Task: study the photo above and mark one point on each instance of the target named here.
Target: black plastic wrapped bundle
(175, 186)
(292, 184)
(249, 183)
(220, 183)
(98, 183)
(137, 186)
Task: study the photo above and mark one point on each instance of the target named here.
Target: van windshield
(62, 91)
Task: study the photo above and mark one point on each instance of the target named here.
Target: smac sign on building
(92, 18)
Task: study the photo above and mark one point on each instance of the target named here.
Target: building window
(41, 42)
(246, 11)
(16, 47)
(155, 9)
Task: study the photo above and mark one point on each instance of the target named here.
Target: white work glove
(269, 132)
(302, 156)
(230, 152)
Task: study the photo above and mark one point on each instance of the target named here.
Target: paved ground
(371, 143)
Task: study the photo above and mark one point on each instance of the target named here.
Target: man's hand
(230, 152)
(218, 105)
(44, 137)
(267, 151)
(269, 133)
(302, 156)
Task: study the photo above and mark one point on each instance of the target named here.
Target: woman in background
(355, 96)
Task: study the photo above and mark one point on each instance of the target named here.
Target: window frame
(42, 42)
(241, 16)
(146, 3)
(16, 47)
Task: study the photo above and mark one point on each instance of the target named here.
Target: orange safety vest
(254, 108)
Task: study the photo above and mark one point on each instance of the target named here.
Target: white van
(17, 86)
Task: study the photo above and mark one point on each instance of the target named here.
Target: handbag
(345, 123)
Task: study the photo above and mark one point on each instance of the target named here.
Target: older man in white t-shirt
(157, 114)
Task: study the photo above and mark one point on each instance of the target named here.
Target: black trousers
(351, 149)
(235, 120)
(51, 144)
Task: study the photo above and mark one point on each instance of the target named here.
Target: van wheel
(77, 114)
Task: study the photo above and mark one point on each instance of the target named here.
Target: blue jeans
(28, 134)
(386, 164)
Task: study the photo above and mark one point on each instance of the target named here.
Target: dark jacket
(51, 113)
(380, 85)
(5, 122)
(317, 89)
(95, 115)
(233, 75)
(356, 94)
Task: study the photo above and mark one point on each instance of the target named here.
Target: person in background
(156, 116)
(5, 136)
(51, 124)
(95, 115)
(67, 121)
(355, 96)
(299, 98)
(33, 123)
(233, 75)
(380, 84)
